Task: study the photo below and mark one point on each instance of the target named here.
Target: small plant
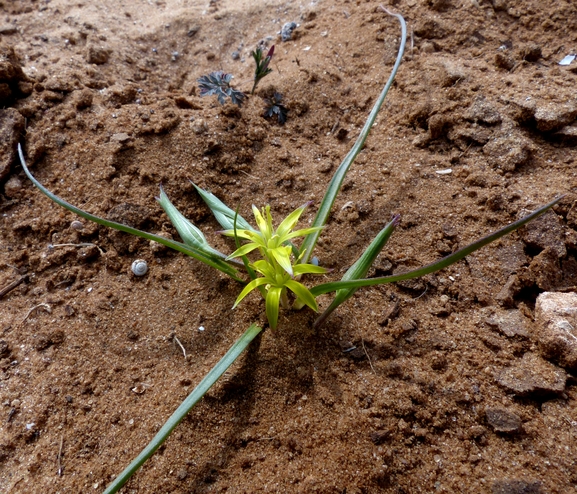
(262, 69)
(282, 264)
(274, 106)
(218, 83)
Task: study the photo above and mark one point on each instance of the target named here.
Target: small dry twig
(84, 244)
(11, 286)
(59, 457)
(367, 354)
(46, 307)
(180, 345)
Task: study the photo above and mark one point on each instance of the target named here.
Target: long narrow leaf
(193, 398)
(437, 265)
(185, 249)
(190, 234)
(337, 180)
(223, 214)
(360, 268)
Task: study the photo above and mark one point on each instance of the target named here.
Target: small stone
(120, 137)
(503, 420)
(287, 31)
(97, 55)
(509, 322)
(533, 376)
(13, 187)
(508, 152)
(504, 61)
(483, 111)
(556, 327)
(235, 55)
(545, 232)
(554, 116)
(516, 486)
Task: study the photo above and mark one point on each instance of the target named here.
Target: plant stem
(193, 398)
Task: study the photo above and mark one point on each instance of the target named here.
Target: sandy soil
(416, 387)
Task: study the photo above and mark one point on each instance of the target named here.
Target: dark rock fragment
(533, 376)
(503, 420)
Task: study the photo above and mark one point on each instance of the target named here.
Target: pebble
(533, 376)
(509, 322)
(545, 232)
(556, 327)
(287, 30)
(508, 152)
(13, 187)
(554, 116)
(97, 55)
(516, 486)
(503, 420)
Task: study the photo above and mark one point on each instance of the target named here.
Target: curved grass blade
(360, 268)
(197, 254)
(337, 180)
(192, 399)
(437, 265)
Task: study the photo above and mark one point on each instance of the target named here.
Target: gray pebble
(503, 420)
(287, 30)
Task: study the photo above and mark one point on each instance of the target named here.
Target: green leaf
(300, 269)
(272, 305)
(360, 268)
(192, 399)
(303, 294)
(243, 250)
(214, 261)
(222, 213)
(337, 180)
(282, 256)
(249, 288)
(437, 265)
(189, 233)
(290, 221)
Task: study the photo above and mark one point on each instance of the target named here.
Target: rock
(556, 327)
(545, 271)
(507, 294)
(508, 152)
(554, 116)
(533, 376)
(13, 187)
(516, 486)
(503, 420)
(11, 130)
(287, 30)
(483, 111)
(509, 322)
(545, 232)
(97, 55)
(504, 60)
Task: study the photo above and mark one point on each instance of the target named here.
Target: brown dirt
(427, 399)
